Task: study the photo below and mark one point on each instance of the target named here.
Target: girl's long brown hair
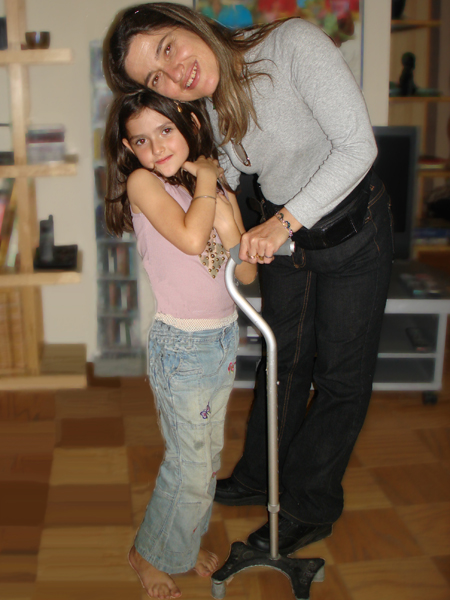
(121, 162)
(232, 98)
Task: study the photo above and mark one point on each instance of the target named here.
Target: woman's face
(173, 62)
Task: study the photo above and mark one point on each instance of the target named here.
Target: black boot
(291, 536)
(230, 493)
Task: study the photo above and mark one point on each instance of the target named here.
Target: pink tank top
(185, 286)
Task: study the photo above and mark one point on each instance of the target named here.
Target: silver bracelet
(196, 197)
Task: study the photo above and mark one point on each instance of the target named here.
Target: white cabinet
(400, 365)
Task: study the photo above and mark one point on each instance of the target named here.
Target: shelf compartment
(36, 57)
(406, 372)
(63, 366)
(434, 173)
(39, 278)
(246, 371)
(394, 338)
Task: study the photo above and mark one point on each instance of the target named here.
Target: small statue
(406, 82)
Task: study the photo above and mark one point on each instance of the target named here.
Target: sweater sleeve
(320, 76)
(232, 175)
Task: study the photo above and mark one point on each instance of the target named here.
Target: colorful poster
(340, 19)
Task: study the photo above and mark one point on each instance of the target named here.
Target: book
(13, 246)
(9, 218)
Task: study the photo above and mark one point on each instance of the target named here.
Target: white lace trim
(196, 324)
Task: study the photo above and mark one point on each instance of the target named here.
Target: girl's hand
(206, 165)
(224, 217)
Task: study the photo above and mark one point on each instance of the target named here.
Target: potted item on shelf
(37, 40)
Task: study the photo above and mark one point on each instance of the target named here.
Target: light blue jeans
(192, 375)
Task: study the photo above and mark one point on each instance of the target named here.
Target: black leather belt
(342, 223)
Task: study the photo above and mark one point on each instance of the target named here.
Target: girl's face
(156, 142)
(174, 62)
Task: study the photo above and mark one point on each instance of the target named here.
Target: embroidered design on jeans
(231, 367)
(205, 413)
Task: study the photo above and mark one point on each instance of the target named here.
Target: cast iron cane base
(301, 571)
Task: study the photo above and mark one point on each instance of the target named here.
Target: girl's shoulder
(144, 175)
(143, 179)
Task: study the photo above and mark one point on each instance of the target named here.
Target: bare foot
(156, 583)
(206, 564)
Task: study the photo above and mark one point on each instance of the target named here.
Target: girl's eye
(140, 142)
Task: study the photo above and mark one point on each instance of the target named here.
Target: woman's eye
(155, 80)
(167, 130)
(168, 48)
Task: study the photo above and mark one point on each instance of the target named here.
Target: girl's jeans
(192, 375)
(325, 308)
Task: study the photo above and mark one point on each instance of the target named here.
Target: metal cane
(301, 572)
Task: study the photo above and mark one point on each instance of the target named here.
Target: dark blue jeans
(325, 308)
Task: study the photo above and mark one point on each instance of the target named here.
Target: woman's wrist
(285, 223)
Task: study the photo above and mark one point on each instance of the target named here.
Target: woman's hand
(205, 165)
(260, 243)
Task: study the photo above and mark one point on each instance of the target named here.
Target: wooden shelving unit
(44, 366)
(409, 24)
(416, 33)
(415, 99)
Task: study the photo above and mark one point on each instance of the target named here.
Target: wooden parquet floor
(77, 469)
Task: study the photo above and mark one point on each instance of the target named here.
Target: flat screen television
(396, 165)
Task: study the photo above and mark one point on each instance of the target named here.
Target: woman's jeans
(325, 308)
(192, 375)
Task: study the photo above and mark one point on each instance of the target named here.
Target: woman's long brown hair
(232, 98)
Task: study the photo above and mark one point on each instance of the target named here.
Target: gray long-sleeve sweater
(314, 142)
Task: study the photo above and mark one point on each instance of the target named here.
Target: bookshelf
(119, 346)
(418, 32)
(39, 366)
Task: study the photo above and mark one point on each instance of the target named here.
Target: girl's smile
(156, 142)
(174, 62)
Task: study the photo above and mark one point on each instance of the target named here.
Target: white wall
(61, 94)
(377, 45)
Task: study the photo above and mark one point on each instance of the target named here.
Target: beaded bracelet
(212, 197)
(279, 215)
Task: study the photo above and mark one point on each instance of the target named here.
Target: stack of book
(45, 143)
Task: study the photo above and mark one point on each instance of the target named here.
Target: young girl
(163, 184)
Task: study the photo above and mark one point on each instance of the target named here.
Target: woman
(284, 105)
